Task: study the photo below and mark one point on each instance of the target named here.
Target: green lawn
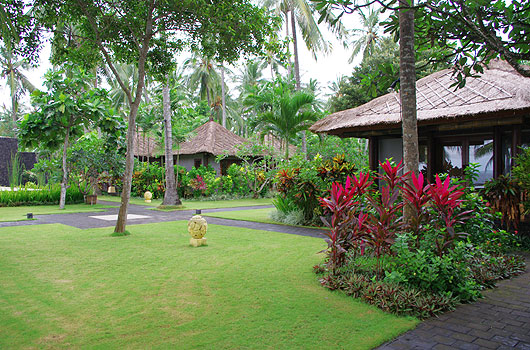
(62, 287)
(256, 215)
(193, 204)
(19, 213)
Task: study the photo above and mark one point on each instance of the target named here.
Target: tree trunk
(223, 97)
(13, 95)
(129, 166)
(64, 182)
(297, 76)
(171, 196)
(289, 64)
(407, 77)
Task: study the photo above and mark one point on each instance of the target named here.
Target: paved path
(86, 220)
(499, 321)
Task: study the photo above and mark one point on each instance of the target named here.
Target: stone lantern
(148, 196)
(197, 227)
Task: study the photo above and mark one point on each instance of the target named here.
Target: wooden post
(497, 153)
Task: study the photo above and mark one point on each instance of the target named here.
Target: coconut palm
(368, 35)
(16, 80)
(301, 13)
(202, 77)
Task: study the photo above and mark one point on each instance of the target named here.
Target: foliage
(504, 195)
(91, 160)
(282, 110)
(521, 171)
(304, 181)
(391, 297)
(328, 146)
(33, 195)
(14, 171)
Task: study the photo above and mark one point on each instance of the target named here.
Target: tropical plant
(64, 112)
(282, 111)
(12, 70)
(367, 36)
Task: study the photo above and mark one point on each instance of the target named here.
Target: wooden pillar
(497, 153)
(516, 142)
(373, 153)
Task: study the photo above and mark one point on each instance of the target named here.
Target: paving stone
(465, 345)
(505, 340)
(486, 344)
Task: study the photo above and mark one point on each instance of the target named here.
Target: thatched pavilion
(485, 122)
(209, 141)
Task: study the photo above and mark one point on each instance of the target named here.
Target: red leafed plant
(446, 200)
(417, 197)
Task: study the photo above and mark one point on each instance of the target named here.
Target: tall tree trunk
(171, 196)
(223, 97)
(407, 77)
(297, 75)
(129, 166)
(12, 86)
(289, 64)
(64, 181)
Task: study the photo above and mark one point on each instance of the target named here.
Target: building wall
(188, 161)
(8, 149)
(390, 148)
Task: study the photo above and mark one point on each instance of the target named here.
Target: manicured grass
(62, 287)
(255, 215)
(19, 213)
(193, 204)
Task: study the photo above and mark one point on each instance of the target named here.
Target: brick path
(499, 321)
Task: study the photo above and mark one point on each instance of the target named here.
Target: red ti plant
(383, 224)
(446, 200)
(347, 227)
(391, 174)
(417, 197)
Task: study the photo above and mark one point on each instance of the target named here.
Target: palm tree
(12, 71)
(301, 13)
(368, 36)
(284, 112)
(203, 77)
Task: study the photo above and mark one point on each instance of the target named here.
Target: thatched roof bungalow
(209, 141)
(484, 122)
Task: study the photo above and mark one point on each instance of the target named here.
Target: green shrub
(35, 195)
(389, 297)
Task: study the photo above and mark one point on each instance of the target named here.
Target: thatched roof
(500, 88)
(145, 146)
(212, 138)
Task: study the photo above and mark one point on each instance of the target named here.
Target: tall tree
(12, 70)
(63, 113)
(301, 15)
(129, 31)
(407, 91)
(367, 36)
(171, 196)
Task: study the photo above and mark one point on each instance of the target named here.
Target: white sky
(327, 69)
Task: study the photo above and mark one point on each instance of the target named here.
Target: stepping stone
(115, 217)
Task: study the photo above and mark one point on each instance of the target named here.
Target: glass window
(507, 152)
(452, 161)
(423, 158)
(481, 153)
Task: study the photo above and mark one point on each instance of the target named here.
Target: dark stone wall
(8, 149)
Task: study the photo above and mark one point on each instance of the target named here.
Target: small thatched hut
(209, 141)
(485, 122)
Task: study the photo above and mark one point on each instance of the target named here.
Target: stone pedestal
(197, 242)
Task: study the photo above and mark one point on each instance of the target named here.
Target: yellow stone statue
(148, 196)
(197, 227)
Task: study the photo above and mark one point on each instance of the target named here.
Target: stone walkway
(499, 321)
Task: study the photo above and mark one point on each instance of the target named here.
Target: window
(197, 163)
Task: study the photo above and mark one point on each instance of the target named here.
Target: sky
(325, 70)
